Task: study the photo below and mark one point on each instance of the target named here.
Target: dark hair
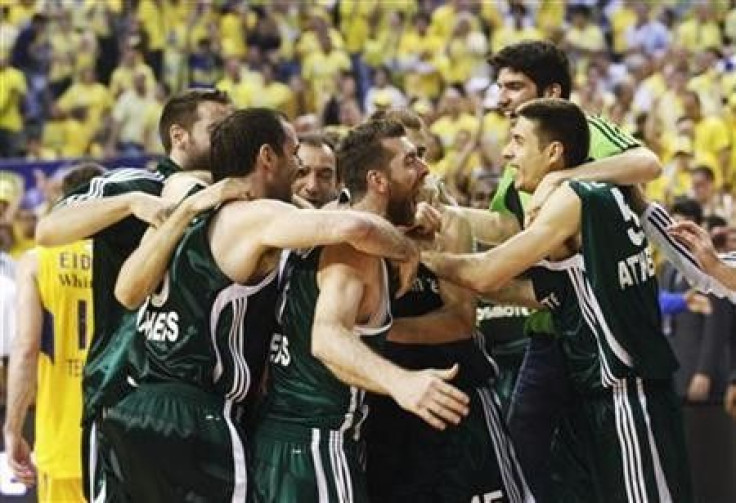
(563, 121)
(408, 118)
(362, 151)
(238, 138)
(543, 62)
(316, 140)
(704, 170)
(689, 208)
(79, 175)
(183, 109)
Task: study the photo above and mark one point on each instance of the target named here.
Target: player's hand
(697, 302)
(729, 401)
(546, 187)
(698, 242)
(151, 209)
(427, 394)
(699, 388)
(301, 203)
(427, 221)
(19, 459)
(407, 271)
(228, 189)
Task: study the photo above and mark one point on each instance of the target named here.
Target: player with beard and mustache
(334, 313)
(179, 435)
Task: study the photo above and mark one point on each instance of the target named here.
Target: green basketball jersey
(302, 390)
(606, 140)
(606, 307)
(111, 246)
(202, 329)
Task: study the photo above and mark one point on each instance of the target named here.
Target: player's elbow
(651, 166)
(485, 285)
(47, 233)
(128, 296)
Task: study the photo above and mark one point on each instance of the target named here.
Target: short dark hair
(361, 151)
(689, 208)
(79, 175)
(563, 121)
(408, 118)
(316, 140)
(238, 138)
(704, 170)
(183, 109)
(543, 62)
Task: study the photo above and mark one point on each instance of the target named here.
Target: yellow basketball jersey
(65, 285)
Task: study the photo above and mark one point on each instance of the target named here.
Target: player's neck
(372, 204)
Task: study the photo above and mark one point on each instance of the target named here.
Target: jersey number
(634, 231)
(82, 318)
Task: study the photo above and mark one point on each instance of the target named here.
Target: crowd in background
(88, 78)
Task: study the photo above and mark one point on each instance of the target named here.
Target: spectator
(648, 35)
(129, 119)
(131, 63)
(12, 93)
(383, 90)
(711, 138)
(240, 91)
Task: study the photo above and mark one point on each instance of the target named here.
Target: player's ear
(178, 135)
(266, 155)
(556, 152)
(377, 180)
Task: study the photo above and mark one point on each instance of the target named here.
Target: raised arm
(456, 318)
(247, 228)
(342, 286)
(145, 267)
(487, 272)
(490, 227)
(633, 166)
(79, 220)
(22, 369)
(699, 243)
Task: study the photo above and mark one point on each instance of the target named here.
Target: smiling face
(406, 172)
(525, 153)
(316, 178)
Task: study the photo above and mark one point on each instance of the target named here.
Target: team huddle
(251, 344)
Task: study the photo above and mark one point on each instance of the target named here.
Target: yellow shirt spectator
(21, 11)
(508, 35)
(122, 78)
(154, 23)
(12, 90)
(622, 19)
(232, 34)
(550, 15)
(588, 38)
(354, 23)
(321, 69)
(241, 93)
(696, 35)
(278, 96)
(447, 127)
(711, 137)
(88, 94)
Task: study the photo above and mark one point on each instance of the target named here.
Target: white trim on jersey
(240, 485)
(97, 185)
(636, 487)
(322, 490)
(382, 316)
(237, 296)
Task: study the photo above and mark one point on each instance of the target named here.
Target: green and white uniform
(177, 436)
(409, 460)
(604, 304)
(502, 329)
(307, 442)
(106, 367)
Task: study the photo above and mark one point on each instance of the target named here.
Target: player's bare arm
(558, 221)
(145, 267)
(348, 283)
(700, 244)
(491, 227)
(80, 220)
(250, 229)
(22, 369)
(456, 318)
(634, 166)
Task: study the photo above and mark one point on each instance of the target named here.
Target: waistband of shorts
(290, 432)
(180, 389)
